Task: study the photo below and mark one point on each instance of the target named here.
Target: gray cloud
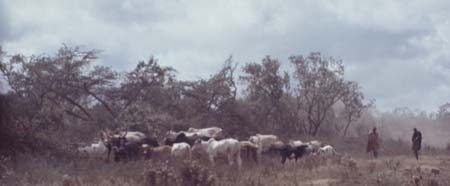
(398, 51)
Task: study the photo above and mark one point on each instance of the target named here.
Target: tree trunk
(316, 129)
(349, 121)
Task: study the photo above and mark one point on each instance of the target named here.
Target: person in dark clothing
(373, 144)
(416, 142)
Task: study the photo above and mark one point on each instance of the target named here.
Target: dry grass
(388, 170)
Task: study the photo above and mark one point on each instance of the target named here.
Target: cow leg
(230, 158)
(259, 154)
(254, 155)
(239, 160)
(189, 154)
(109, 148)
(211, 159)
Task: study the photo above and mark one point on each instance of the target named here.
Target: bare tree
(353, 102)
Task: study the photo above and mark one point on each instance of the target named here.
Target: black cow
(128, 150)
(181, 137)
(150, 141)
(288, 150)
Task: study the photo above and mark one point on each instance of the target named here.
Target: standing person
(416, 142)
(373, 142)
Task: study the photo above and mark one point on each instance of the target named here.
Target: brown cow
(161, 152)
(249, 149)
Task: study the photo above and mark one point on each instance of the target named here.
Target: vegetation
(54, 102)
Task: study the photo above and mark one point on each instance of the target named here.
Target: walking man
(416, 142)
(373, 142)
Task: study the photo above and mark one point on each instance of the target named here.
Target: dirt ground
(387, 170)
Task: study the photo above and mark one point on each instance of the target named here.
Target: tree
(215, 93)
(146, 97)
(353, 104)
(320, 85)
(53, 86)
(265, 89)
(146, 83)
(444, 112)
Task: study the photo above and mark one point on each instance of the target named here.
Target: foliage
(67, 93)
(320, 85)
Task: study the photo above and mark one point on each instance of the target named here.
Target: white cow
(296, 143)
(133, 135)
(230, 147)
(193, 133)
(326, 151)
(314, 146)
(211, 132)
(94, 150)
(181, 150)
(263, 141)
(129, 135)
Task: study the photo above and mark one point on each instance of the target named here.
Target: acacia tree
(214, 94)
(146, 83)
(320, 85)
(265, 89)
(54, 86)
(353, 104)
(144, 98)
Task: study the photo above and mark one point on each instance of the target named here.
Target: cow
(296, 143)
(313, 147)
(172, 135)
(150, 142)
(94, 150)
(265, 142)
(249, 149)
(288, 150)
(229, 147)
(210, 132)
(126, 145)
(181, 150)
(160, 152)
(133, 135)
(326, 151)
(179, 138)
(125, 150)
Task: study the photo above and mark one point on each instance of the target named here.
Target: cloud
(397, 50)
(4, 22)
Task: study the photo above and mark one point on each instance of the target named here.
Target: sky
(398, 51)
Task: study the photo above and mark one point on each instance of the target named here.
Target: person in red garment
(373, 143)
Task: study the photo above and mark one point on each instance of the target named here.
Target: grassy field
(363, 170)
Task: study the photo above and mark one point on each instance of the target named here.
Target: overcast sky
(397, 50)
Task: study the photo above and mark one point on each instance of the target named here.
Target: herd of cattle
(208, 142)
